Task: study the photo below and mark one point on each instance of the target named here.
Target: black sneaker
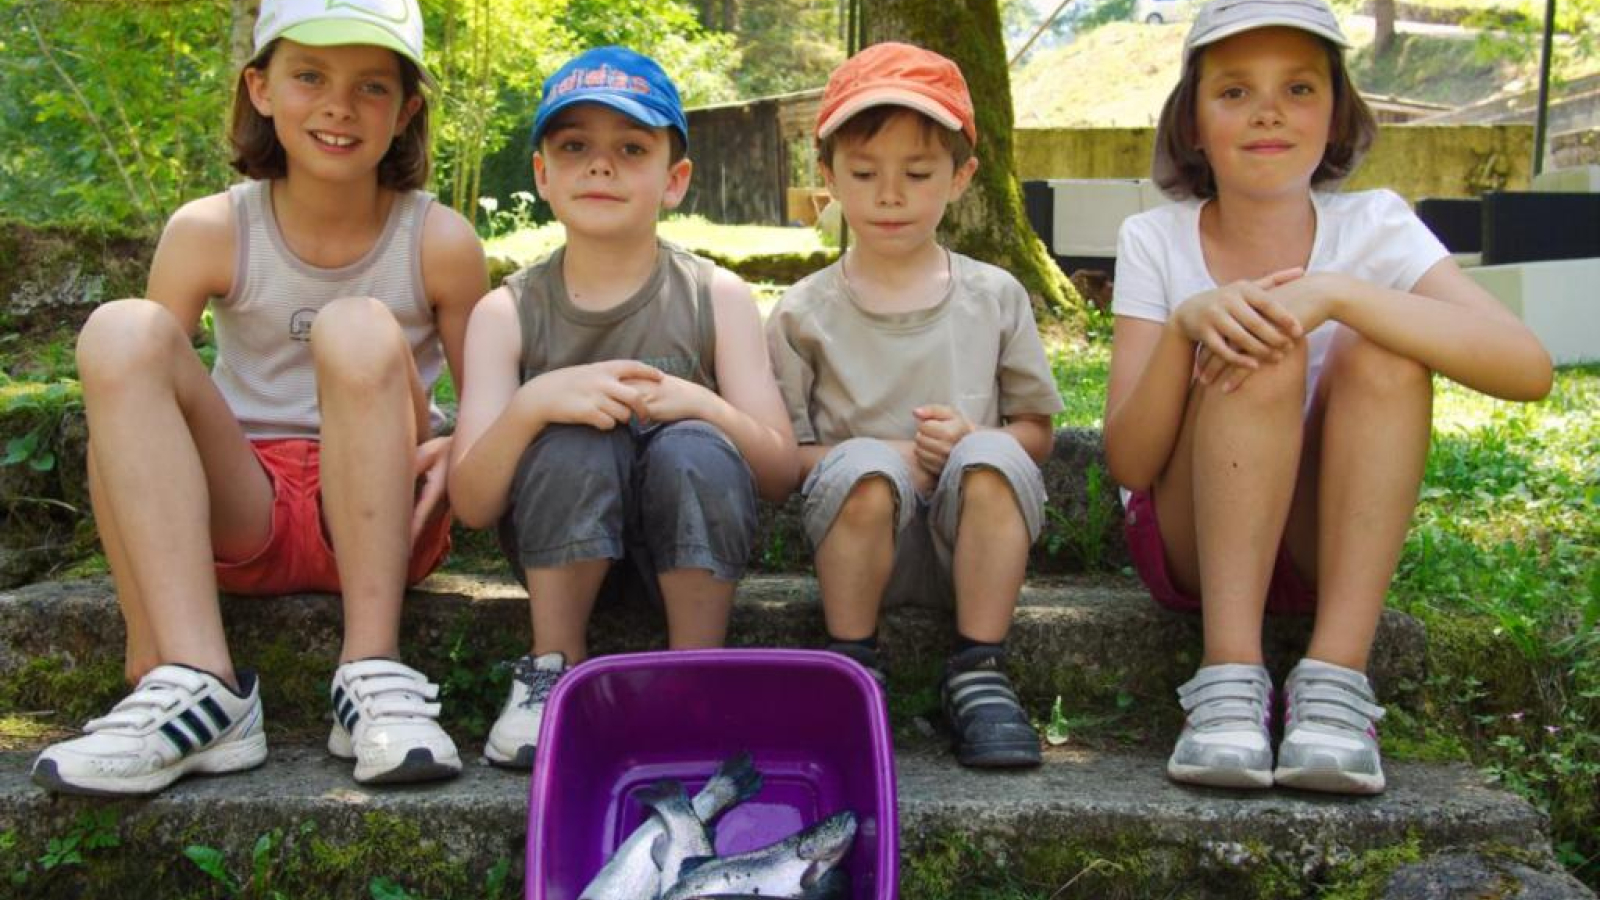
(991, 730)
(866, 656)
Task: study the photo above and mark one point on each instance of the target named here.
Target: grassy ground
(693, 232)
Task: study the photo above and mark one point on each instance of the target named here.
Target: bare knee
(1369, 369)
(125, 340)
(357, 344)
(1281, 382)
(986, 492)
(871, 504)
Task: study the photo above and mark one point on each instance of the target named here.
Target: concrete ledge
(1119, 808)
(1556, 299)
(1091, 640)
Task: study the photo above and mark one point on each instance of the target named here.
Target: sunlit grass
(691, 232)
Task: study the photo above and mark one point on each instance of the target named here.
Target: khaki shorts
(925, 527)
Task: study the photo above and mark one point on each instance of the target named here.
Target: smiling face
(893, 186)
(606, 175)
(335, 110)
(1263, 109)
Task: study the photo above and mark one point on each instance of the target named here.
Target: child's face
(335, 110)
(893, 187)
(1264, 107)
(606, 175)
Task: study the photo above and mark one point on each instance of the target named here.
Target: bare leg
(174, 481)
(1224, 498)
(1375, 437)
(373, 409)
(855, 560)
(698, 605)
(561, 600)
(991, 556)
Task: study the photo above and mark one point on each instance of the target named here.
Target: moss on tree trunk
(989, 222)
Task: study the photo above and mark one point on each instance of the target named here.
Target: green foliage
(1082, 370)
(33, 413)
(117, 111)
(1501, 564)
(786, 45)
(110, 111)
(1515, 31)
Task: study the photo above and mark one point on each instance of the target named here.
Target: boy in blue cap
(617, 403)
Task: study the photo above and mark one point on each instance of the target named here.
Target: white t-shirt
(1370, 235)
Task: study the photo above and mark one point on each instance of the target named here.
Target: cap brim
(628, 106)
(887, 97)
(1228, 31)
(339, 32)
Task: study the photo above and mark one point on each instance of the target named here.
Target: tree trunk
(989, 222)
(242, 40)
(1382, 27)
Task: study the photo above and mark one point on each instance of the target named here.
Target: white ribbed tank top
(263, 326)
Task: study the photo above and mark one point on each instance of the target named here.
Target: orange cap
(892, 74)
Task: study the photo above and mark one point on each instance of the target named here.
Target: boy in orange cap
(919, 392)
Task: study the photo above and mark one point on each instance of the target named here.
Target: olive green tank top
(668, 323)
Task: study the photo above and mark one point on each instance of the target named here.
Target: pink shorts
(1287, 592)
(296, 556)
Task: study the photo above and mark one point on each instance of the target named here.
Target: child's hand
(671, 399)
(1311, 299)
(1241, 323)
(601, 395)
(431, 464)
(922, 481)
(939, 429)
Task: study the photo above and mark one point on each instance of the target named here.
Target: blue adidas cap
(630, 83)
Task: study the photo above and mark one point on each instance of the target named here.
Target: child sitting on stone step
(339, 291)
(920, 393)
(618, 402)
(1270, 394)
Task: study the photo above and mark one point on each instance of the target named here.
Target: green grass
(692, 232)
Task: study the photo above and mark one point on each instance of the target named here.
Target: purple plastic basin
(814, 723)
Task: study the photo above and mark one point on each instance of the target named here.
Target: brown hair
(865, 125)
(1351, 130)
(258, 154)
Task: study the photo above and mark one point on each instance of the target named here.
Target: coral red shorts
(296, 556)
(1287, 592)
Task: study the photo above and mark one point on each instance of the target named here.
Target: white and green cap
(1222, 19)
(395, 24)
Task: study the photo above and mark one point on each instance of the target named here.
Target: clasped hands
(1247, 324)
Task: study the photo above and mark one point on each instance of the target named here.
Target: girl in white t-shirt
(1270, 396)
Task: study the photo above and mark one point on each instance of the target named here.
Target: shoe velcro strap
(1227, 673)
(400, 708)
(1223, 692)
(985, 693)
(1214, 714)
(378, 686)
(1008, 704)
(1334, 708)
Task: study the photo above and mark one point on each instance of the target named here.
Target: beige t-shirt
(846, 372)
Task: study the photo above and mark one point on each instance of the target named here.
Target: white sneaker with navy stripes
(176, 722)
(384, 719)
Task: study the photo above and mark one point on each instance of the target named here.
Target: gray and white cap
(1222, 19)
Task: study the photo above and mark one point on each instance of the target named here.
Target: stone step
(1097, 642)
(1109, 823)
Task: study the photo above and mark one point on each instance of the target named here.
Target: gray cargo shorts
(925, 527)
(666, 496)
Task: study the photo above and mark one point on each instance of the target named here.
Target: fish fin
(835, 885)
(735, 781)
(690, 863)
(660, 848)
(741, 772)
(660, 793)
